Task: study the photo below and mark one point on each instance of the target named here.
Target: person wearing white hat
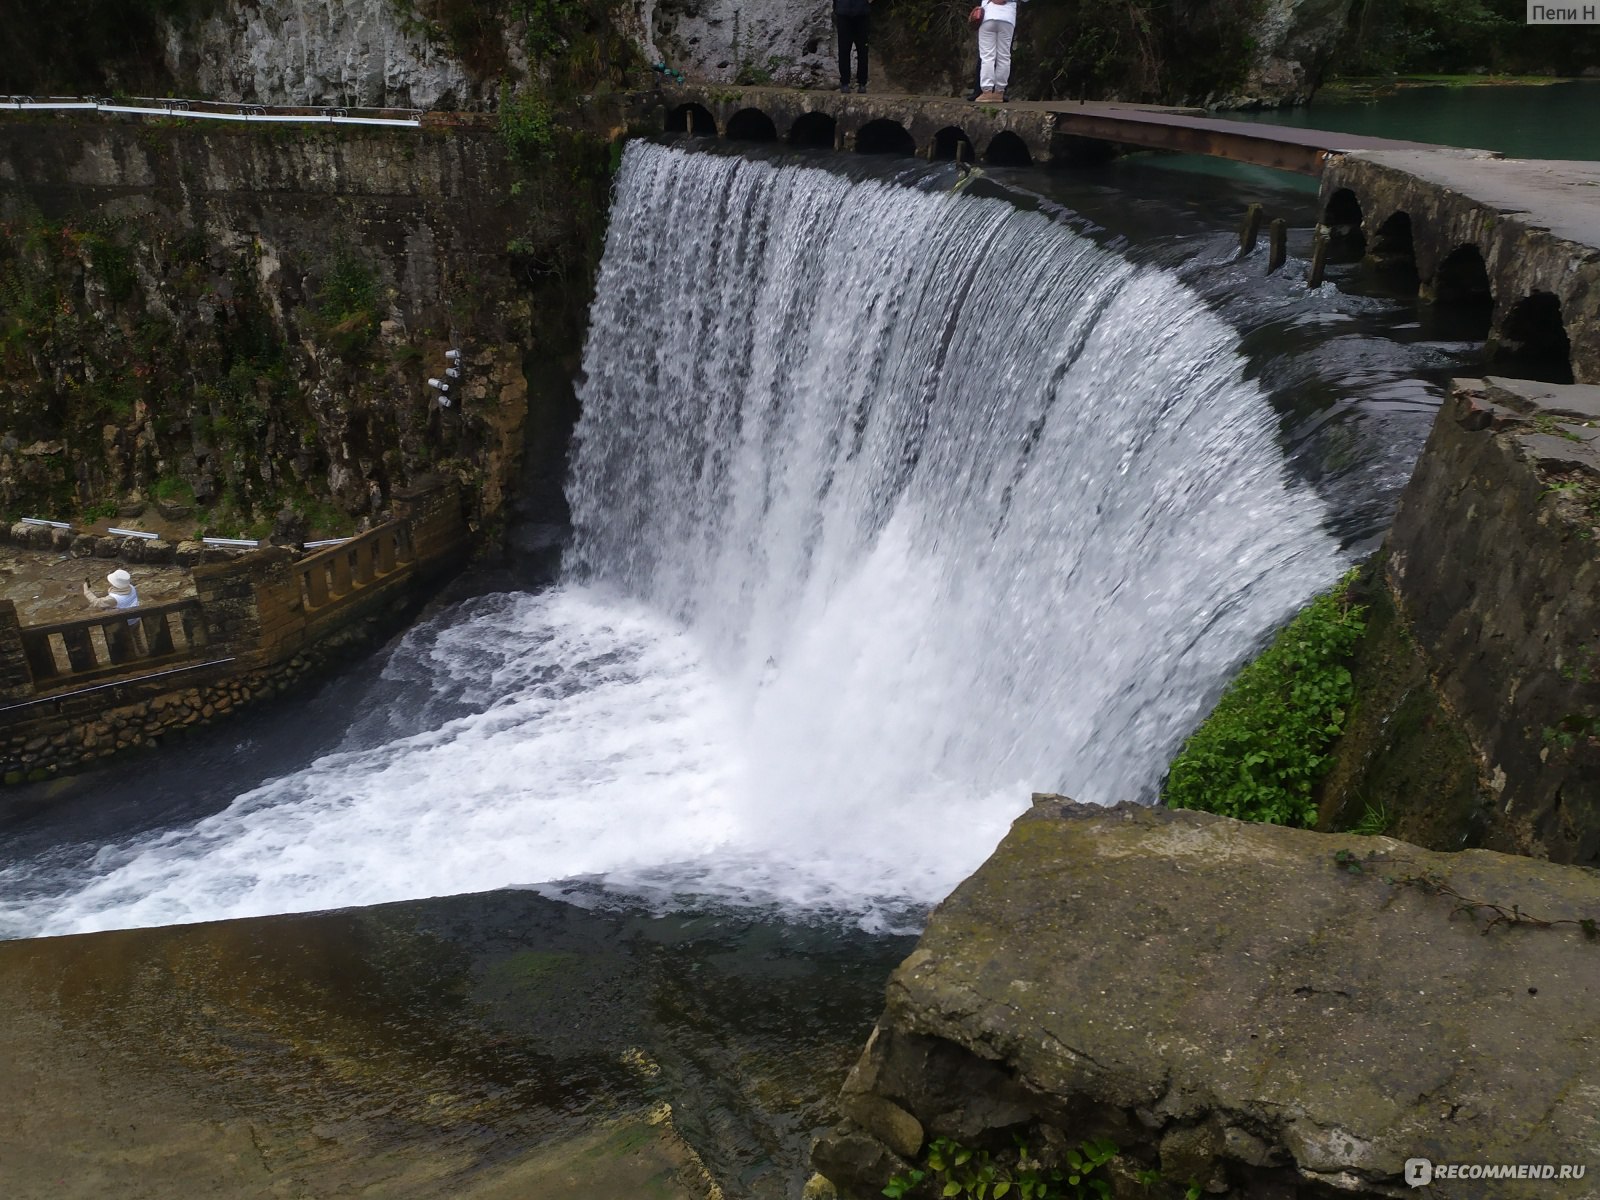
(122, 594)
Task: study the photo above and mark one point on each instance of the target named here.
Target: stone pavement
(47, 585)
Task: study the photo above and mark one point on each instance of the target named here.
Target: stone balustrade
(79, 689)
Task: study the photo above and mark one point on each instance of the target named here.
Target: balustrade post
(362, 556)
(316, 580)
(339, 568)
(16, 676)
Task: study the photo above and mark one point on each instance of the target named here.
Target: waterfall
(890, 508)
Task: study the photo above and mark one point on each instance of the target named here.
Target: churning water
(890, 508)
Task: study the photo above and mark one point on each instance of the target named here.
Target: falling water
(890, 508)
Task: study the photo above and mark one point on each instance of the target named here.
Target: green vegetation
(174, 489)
(350, 304)
(1375, 819)
(525, 127)
(1260, 753)
(573, 48)
(754, 74)
(113, 266)
(1386, 37)
(953, 1170)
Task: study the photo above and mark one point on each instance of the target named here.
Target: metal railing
(332, 575)
(129, 639)
(214, 110)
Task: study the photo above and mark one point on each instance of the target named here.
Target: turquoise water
(1558, 120)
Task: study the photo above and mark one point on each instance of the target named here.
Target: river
(892, 505)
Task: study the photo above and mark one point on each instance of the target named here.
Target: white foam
(891, 508)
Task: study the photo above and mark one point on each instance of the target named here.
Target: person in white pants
(994, 49)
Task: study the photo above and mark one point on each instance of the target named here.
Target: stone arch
(1392, 252)
(1342, 218)
(1461, 286)
(751, 125)
(951, 144)
(692, 118)
(1532, 341)
(814, 129)
(884, 136)
(1007, 149)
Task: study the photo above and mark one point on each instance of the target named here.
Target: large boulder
(1240, 1005)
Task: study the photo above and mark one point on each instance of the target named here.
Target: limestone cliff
(1294, 39)
(454, 54)
(1238, 1011)
(354, 52)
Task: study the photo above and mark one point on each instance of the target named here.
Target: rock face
(1230, 1006)
(1294, 39)
(350, 52)
(761, 41)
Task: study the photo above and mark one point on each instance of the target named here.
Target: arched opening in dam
(884, 136)
(751, 125)
(1533, 342)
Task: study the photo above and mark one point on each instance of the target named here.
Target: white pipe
(170, 108)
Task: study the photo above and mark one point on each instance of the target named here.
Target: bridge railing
(339, 572)
(130, 639)
(212, 110)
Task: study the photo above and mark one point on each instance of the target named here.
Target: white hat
(119, 580)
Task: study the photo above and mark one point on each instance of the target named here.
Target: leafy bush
(953, 1170)
(349, 304)
(1262, 750)
(525, 127)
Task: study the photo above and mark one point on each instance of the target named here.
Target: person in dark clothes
(853, 18)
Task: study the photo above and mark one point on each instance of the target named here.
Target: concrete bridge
(1513, 245)
(1023, 134)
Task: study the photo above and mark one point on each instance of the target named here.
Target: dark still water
(1557, 120)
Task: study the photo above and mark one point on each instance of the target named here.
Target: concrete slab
(1553, 194)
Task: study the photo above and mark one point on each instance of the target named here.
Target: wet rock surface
(487, 1046)
(1228, 1004)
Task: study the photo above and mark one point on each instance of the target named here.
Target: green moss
(1402, 755)
(1261, 752)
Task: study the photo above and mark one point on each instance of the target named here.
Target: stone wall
(247, 318)
(262, 633)
(1474, 229)
(1238, 1011)
(1494, 564)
